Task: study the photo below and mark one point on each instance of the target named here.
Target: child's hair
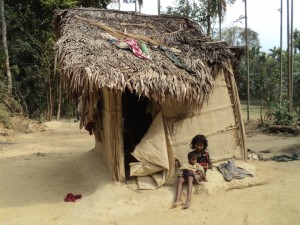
(192, 155)
(199, 139)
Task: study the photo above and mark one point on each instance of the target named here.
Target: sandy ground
(38, 169)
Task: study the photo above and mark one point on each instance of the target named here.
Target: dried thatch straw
(89, 62)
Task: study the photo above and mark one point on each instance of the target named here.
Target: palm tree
(216, 8)
(222, 8)
(221, 11)
(280, 79)
(4, 39)
(211, 11)
(290, 82)
(247, 62)
(275, 53)
(291, 57)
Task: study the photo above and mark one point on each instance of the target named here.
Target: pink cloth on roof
(136, 50)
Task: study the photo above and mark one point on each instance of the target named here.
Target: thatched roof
(88, 61)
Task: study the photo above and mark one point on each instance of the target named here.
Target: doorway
(136, 122)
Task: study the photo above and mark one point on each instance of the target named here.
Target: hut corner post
(238, 115)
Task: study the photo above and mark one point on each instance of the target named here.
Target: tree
(296, 38)
(137, 3)
(158, 7)
(290, 81)
(247, 60)
(201, 11)
(4, 40)
(213, 9)
(297, 82)
(280, 80)
(236, 36)
(222, 8)
(30, 41)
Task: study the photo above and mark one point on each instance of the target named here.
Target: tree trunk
(50, 100)
(208, 25)
(158, 7)
(59, 101)
(247, 62)
(280, 79)
(262, 100)
(208, 18)
(292, 55)
(290, 82)
(220, 19)
(59, 90)
(4, 39)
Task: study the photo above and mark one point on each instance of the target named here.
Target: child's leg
(190, 180)
(180, 182)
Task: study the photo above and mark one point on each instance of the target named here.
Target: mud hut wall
(215, 120)
(111, 146)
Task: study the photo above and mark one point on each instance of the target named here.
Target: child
(199, 144)
(190, 172)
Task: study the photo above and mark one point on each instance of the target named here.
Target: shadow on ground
(47, 178)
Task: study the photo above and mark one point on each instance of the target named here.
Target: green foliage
(282, 116)
(193, 11)
(59, 3)
(296, 76)
(7, 104)
(200, 11)
(264, 76)
(296, 37)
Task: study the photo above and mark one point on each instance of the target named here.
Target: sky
(263, 17)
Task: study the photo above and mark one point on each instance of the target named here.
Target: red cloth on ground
(71, 197)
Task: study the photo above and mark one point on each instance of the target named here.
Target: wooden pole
(247, 63)
(280, 79)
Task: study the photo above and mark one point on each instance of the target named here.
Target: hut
(146, 85)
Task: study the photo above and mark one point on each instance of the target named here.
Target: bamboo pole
(238, 112)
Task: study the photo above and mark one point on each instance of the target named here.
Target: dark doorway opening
(137, 120)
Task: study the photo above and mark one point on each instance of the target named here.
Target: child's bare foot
(175, 204)
(186, 205)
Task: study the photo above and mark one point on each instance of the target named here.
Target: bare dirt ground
(38, 168)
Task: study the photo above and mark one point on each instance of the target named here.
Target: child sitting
(199, 144)
(190, 172)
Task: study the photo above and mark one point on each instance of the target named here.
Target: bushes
(283, 117)
(5, 117)
(8, 107)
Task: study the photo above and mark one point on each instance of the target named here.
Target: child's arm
(209, 164)
(200, 168)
